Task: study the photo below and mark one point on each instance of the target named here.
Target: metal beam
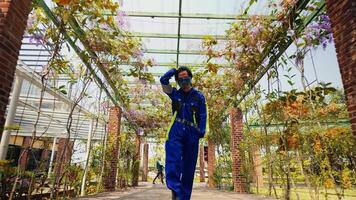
(179, 26)
(175, 36)
(168, 64)
(338, 122)
(171, 51)
(190, 15)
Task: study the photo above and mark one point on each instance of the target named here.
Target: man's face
(183, 74)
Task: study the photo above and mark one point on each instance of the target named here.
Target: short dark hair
(181, 69)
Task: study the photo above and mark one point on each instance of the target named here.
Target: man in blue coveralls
(188, 125)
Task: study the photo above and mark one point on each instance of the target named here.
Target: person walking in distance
(159, 168)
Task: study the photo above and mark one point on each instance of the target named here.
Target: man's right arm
(167, 88)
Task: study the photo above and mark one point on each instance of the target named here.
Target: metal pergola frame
(179, 16)
(280, 47)
(27, 52)
(178, 37)
(25, 111)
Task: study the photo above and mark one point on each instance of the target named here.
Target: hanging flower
(120, 19)
(319, 32)
(36, 38)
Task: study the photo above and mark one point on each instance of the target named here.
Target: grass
(303, 193)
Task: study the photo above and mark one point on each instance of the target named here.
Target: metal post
(6, 134)
(52, 156)
(87, 157)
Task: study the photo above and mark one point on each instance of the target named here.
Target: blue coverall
(183, 138)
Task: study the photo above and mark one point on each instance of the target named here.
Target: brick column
(343, 21)
(63, 155)
(45, 154)
(257, 167)
(136, 162)
(236, 137)
(112, 149)
(201, 164)
(211, 163)
(13, 20)
(23, 160)
(145, 162)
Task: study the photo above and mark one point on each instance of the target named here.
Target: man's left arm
(202, 116)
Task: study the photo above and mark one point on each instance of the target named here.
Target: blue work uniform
(187, 127)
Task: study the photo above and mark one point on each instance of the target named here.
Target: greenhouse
(178, 99)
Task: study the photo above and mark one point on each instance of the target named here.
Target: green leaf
(290, 82)
(63, 91)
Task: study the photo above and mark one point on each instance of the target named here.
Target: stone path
(148, 191)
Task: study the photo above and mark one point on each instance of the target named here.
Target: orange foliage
(63, 2)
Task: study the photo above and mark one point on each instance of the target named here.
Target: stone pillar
(23, 159)
(136, 162)
(236, 137)
(257, 167)
(112, 149)
(201, 164)
(63, 155)
(145, 162)
(343, 22)
(211, 163)
(13, 20)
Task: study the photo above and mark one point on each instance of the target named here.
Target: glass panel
(150, 6)
(159, 43)
(204, 26)
(223, 7)
(152, 25)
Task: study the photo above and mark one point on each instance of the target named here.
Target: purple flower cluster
(121, 21)
(256, 30)
(319, 32)
(141, 118)
(36, 38)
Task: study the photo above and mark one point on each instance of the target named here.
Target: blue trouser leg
(174, 151)
(181, 157)
(190, 155)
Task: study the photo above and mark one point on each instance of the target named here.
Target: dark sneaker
(174, 196)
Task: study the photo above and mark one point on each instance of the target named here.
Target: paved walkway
(148, 191)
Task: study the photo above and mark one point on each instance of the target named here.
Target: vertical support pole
(6, 134)
(52, 156)
(87, 158)
(145, 162)
(201, 164)
(236, 137)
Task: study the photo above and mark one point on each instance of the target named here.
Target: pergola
(171, 34)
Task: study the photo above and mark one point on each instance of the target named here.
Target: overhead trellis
(279, 47)
(81, 54)
(99, 72)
